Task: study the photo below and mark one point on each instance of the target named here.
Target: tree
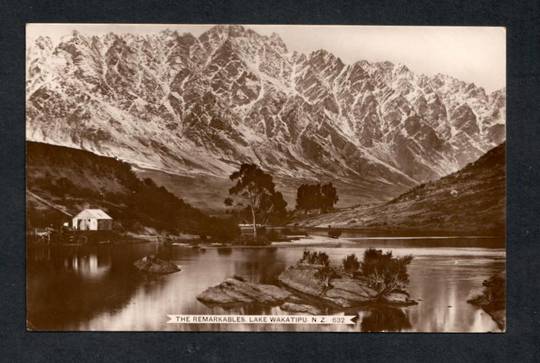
(228, 202)
(329, 197)
(308, 197)
(351, 264)
(384, 272)
(275, 209)
(325, 272)
(301, 198)
(315, 196)
(258, 190)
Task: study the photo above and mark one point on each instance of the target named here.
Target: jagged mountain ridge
(192, 105)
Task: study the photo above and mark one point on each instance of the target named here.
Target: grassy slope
(469, 201)
(207, 192)
(204, 192)
(62, 181)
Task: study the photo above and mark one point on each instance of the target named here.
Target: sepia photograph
(256, 178)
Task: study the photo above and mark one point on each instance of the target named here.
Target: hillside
(207, 192)
(470, 201)
(62, 181)
(198, 106)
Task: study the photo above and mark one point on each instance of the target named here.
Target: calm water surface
(96, 288)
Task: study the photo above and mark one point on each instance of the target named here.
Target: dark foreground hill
(469, 201)
(62, 181)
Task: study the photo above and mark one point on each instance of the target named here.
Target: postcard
(220, 177)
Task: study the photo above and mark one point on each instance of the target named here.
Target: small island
(154, 265)
(313, 284)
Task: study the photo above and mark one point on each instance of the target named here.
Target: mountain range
(199, 106)
(470, 201)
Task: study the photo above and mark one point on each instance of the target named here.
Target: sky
(472, 54)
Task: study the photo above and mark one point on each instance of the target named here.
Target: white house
(92, 220)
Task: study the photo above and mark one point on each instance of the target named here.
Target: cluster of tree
(62, 187)
(256, 188)
(316, 196)
(154, 204)
(383, 272)
(315, 258)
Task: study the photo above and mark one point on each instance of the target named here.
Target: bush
(325, 273)
(315, 258)
(384, 272)
(351, 264)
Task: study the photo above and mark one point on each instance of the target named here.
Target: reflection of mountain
(444, 284)
(470, 201)
(60, 298)
(266, 272)
(192, 105)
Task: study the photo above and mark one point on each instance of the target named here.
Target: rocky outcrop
(493, 298)
(235, 291)
(300, 308)
(154, 265)
(343, 291)
(306, 292)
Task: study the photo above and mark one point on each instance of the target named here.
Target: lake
(96, 287)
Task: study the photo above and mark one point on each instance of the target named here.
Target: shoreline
(400, 232)
(306, 241)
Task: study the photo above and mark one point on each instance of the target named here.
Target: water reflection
(224, 251)
(384, 319)
(96, 288)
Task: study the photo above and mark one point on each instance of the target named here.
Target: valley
(471, 201)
